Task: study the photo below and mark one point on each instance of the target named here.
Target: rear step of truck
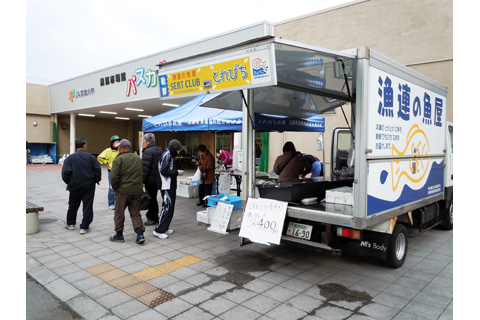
(319, 247)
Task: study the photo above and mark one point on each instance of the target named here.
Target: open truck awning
(287, 78)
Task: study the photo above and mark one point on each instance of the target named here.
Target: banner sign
(238, 72)
(407, 131)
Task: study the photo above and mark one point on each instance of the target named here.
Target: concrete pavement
(199, 274)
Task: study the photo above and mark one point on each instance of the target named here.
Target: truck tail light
(348, 233)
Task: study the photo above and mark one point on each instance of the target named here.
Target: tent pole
(250, 149)
(141, 144)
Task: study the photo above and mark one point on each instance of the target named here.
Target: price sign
(221, 218)
(263, 220)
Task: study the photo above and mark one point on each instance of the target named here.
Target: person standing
(311, 164)
(127, 182)
(168, 175)
(288, 166)
(226, 157)
(106, 157)
(205, 163)
(80, 172)
(150, 157)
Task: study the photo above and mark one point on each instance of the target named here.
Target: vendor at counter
(207, 164)
(288, 166)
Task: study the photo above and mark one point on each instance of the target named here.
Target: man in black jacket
(150, 156)
(80, 172)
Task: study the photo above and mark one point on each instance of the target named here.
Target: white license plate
(299, 230)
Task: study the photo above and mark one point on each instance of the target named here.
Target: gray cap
(175, 145)
(124, 143)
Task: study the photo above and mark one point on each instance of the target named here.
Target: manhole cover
(47, 221)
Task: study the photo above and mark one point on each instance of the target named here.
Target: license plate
(299, 230)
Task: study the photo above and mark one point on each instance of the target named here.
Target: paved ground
(198, 274)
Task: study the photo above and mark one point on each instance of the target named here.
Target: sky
(66, 39)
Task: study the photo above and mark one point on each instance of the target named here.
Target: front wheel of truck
(397, 247)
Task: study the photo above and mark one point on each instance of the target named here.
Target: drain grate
(47, 221)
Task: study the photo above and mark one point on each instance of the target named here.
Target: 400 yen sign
(266, 224)
(263, 220)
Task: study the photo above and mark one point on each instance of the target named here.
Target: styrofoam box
(187, 190)
(235, 218)
(202, 216)
(341, 195)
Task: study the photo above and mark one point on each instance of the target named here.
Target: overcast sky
(65, 39)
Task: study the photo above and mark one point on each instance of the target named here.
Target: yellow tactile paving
(155, 298)
(135, 284)
(101, 268)
(169, 266)
(112, 275)
(125, 282)
(139, 289)
(188, 260)
(149, 274)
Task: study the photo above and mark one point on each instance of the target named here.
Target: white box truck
(397, 158)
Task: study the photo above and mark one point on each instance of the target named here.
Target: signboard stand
(221, 218)
(263, 220)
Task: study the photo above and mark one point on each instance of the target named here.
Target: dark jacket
(150, 157)
(288, 166)
(167, 170)
(308, 160)
(81, 169)
(127, 174)
(207, 163)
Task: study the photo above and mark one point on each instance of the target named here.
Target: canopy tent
(191, 116)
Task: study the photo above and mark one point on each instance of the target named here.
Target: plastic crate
(236, 201)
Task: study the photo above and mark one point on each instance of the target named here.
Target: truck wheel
(447, 217)
(397, 247)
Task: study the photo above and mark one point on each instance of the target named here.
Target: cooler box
(236, 201)
(235, 219)
(341, 195)
(203, 216)
(187, 190)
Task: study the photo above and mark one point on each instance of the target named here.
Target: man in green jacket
(127, 181)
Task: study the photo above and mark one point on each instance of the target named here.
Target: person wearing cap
(80, 171)
(150, 157)
(168, 181)
(205, 163)
(106, 157)
(127, 182)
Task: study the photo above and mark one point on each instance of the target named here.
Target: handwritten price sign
(263, 220)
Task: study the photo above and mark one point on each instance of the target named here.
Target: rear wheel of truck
(397, 247)
(447, 217)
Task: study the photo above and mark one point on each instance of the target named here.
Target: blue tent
(191, 116)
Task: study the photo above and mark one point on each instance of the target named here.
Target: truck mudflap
(306, 244)
(374, 244)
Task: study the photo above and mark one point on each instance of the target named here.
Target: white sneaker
(83, 231)
(111, 207)
(160, 235)
(169, 231)
(70, 227)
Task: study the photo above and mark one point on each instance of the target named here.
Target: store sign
(147, 78)
(112, 79)
(407, 130)
(80, 93)
(241, 72)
